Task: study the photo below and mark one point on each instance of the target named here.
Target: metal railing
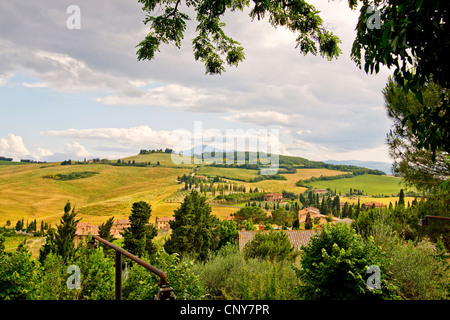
(165, 292)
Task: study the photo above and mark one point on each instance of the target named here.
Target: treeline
(31, 227)
(31, 161)
(299, 162)
(70, 176)
(144, 151)
(305, 182)
(268, 177)
(6, 159)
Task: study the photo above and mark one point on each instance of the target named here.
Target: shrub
(273, 245)
(334, 266)
(142, 284)
(19, 276)
(53, 280)
(229, 275)
(417, 270)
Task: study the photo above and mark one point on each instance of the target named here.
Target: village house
(84, 230)
(163, 223)
(273, 197)
(372, 203)
(320, 191)
(118, 226)
(314, 212)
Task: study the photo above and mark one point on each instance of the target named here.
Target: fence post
(118, 275)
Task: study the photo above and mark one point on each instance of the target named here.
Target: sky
(81, 93)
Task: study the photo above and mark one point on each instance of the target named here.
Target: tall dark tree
(308, 222)
(62, 240)
(138, 237)
(104, 230)
(401, 198)
(65, 234)
(194, 230)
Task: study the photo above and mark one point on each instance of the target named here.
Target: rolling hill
(36, 190)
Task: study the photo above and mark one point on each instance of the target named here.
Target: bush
(273, 245)
(19, 276)
(229, 275)
(417, 270)
(334, 266)
(53, 281)
(142, 284)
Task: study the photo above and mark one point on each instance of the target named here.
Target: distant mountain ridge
(376, 165)
(286, 161)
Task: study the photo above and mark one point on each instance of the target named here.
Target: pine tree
(62, 240)
(401, 198)
(195, 229)
(65, 234)
(137, 238)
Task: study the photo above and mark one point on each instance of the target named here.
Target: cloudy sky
(81, 93)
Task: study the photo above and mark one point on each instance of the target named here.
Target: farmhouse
(84, 230)
(273, 197)
(118, 226)
(163, 223)
(320, 191)
(314, 212)
(376, 204)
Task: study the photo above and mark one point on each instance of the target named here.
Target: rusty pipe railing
(119, 252)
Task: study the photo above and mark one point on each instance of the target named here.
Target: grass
(111, 192)
(230, 173)
(11, 163)
(165, 159)
(370, 184)
(289, 184)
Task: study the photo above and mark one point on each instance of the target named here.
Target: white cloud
(333, 105)
(42, 153)
(35, 85)
(4, 78)
(263, 118)
(13, 146)
(137, 136)
(76, 149)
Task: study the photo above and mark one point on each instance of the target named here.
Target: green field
(27, 194)
(229, 173)
(370, 184)
(165, 159)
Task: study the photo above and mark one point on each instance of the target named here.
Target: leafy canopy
(212, 45)
(411, 37)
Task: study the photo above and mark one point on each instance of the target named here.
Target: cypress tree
(137, 238)
(401, 198)
(195, 229)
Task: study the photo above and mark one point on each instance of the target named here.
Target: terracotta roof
(297, 238)
(164, 219)
(121, 222)
(377, 204)
(84, 229)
